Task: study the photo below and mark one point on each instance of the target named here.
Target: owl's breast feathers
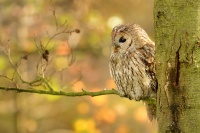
(134, 72)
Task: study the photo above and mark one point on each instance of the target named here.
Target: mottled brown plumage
(132, 64)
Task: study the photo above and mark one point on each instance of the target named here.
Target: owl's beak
(116, 48)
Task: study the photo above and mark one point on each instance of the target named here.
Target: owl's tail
(151, 110)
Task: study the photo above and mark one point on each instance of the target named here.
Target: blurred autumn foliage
(76, 61)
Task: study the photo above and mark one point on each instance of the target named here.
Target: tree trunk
(177, 26)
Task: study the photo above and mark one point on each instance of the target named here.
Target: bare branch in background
(44, 60)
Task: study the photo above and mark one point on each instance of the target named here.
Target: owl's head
(128, 36)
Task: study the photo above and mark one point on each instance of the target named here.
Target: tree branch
(73, 94)
(62, 93)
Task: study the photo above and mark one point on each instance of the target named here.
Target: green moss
(178, 72)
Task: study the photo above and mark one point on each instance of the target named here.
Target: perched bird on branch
(132, 64)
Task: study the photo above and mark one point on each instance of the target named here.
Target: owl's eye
(122, 39)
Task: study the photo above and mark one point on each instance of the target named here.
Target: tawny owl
(132, 64)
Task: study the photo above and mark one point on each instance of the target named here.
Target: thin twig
(56, 21)
(11, 79)
(56, 34)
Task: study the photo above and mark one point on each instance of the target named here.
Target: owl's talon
(121, 94)
(130, 98)
(137, 99)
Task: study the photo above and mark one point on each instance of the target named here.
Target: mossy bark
(177, 38)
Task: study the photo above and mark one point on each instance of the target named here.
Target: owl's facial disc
(123, 40)
(117, 46)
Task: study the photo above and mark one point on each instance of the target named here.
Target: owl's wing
(147, 54)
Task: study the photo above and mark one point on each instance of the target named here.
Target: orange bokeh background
(76, 61)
